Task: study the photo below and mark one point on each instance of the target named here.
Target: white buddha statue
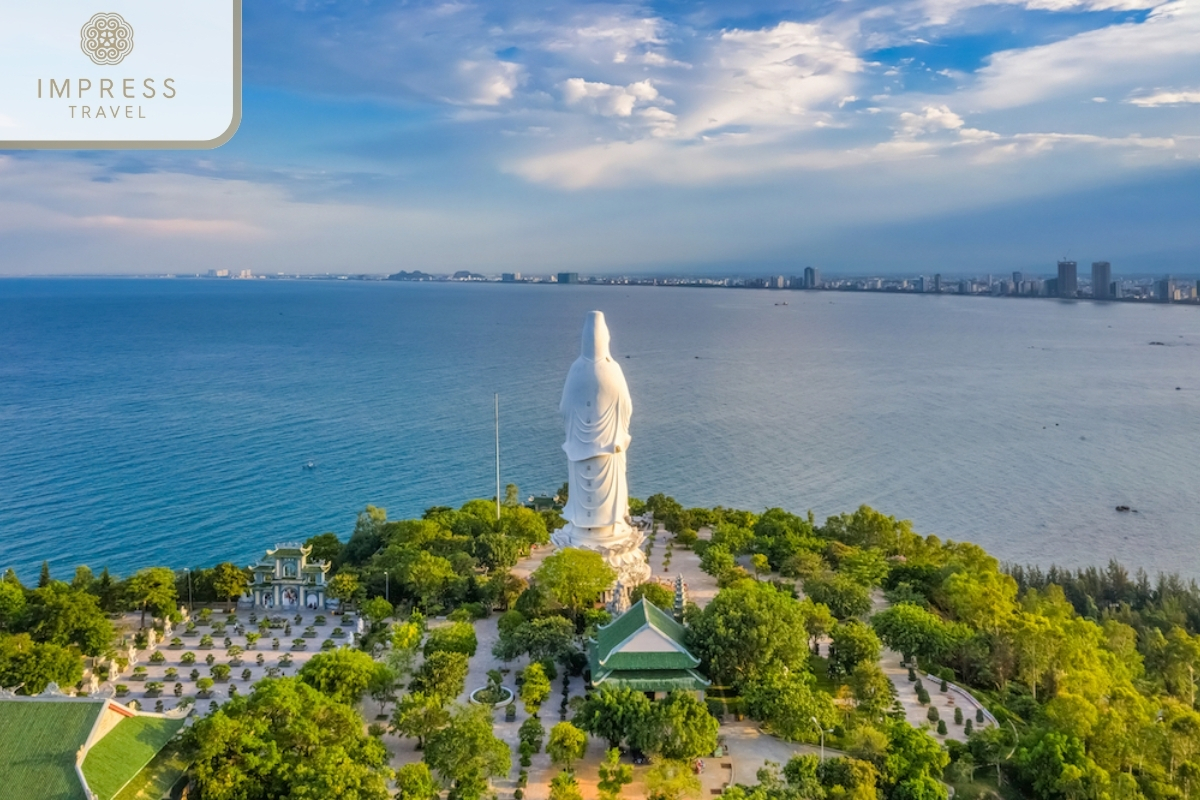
(596, 408)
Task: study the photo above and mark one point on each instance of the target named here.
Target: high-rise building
(1101, 280)
(510, 277)
(812, 278)
(568, 277)
(1050, 288)
(937, 283)
(921, 284)
(1017, 278)
(1068, 281)
(1166, 289)
(776, 282)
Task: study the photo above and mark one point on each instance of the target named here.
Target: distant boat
(1122, 508)
(310, 464)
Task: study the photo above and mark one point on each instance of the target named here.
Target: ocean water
(169, 422)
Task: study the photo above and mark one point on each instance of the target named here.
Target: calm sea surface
(146, 422)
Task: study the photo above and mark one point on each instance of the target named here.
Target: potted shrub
(206, 642)
(274, 644)
(205, 685)
(219, 628)
(310, 632)
(251, 639)
(190, 629)
(246, 674)
(154, 688)
(179, 690)
(139, 673)
(338, 633)
(298, 644)
(209, 659)
(285, 660)
(194, 675)
(328, 644)
(235, 656)
(205, 616)
(227, 643)
(122, 690)
(176, 643)
(297, 619)
(510, 712)
(231, 619)
(259, 659)
(157, 657)
(172, 673)
(220, 672)
(188, 658)
(319, 620)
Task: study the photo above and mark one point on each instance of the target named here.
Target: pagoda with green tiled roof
(644, 650)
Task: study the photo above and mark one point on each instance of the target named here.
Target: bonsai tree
(298, 644)
(209, 659)
(259, 659)
(139, 673)
(122, 690)
(157, 657)
(221, 672)
(204, 685)
(179, 690)
(246, 674)
(206, 641)
(194, 675)
(188, 658)
(234, 653)
(172, 673)
(176, 643)
(251, 638)
(958, 716)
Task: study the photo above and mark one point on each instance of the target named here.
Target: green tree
(717, 560)
(844, 596)
(229, 581)
(343, 587)
(536, 687)
(457, 637)
(342, 674)
(442, 674)
(466, 753)
(44, 579)
(325, 547)
(382, 686)
(415, 782)
(613, 714)
(614, 775)
(787, 702)
(671, 780)
(916, 632)
(417, 715)
(83, 580)
(542, 638)
(285, 739)
(34, 665)
(563, 786)
(153, 589)
(376, 610)
(853, 644)
(532, 734)
(760, 563)
(497, 552)
(12, 605)
(748, 628)
(575, 578)
(64, 617)
(654, 593)
(567, 745)
(677, 727)
(871, 688)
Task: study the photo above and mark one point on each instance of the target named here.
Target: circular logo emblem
(107, 39)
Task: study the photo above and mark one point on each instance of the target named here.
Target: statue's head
(595, 336)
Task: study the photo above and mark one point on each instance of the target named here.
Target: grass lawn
(156, 780)
(122, 754)
(38, 743)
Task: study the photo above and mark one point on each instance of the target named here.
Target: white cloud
(489, 82)
(1166, 99)
(932, 118)
(606, 99)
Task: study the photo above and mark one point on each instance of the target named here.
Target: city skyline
(647, 137)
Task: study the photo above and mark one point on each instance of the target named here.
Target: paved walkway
(191, 644)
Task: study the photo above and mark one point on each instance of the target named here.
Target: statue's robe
(596, 409)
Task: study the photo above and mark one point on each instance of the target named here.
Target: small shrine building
(285, 578)
(643, 649)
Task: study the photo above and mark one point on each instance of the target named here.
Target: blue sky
(957, 136)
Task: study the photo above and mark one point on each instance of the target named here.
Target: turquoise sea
(170, 421)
